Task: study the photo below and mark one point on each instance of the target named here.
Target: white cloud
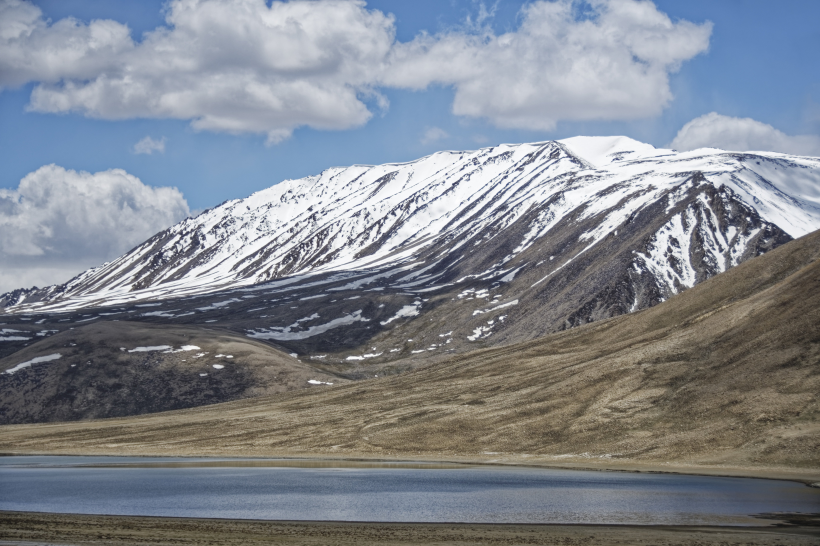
(148, 146)
(241, 66)
(613, 65)
(433, 134)
(226, 65)
(742, 134)
(58, 222)
(33, 50)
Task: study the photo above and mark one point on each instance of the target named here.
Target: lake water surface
(389, 492)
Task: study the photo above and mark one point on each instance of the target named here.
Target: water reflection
(289, 489)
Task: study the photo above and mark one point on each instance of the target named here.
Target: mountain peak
(602, 151)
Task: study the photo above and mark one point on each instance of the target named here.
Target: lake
(386, 492)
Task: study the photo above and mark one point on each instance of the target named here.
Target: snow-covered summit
(478, 213)
(601, 152)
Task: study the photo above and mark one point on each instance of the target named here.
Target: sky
(118, 119)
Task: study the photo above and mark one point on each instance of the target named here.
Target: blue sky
(737, 58)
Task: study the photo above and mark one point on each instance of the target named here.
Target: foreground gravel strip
(63, 529)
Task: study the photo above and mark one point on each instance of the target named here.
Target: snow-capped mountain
(372, 270)
(531, 238)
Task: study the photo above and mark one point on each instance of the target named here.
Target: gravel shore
(64, 529)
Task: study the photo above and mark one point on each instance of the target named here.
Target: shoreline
(54, 528)
(808, 477)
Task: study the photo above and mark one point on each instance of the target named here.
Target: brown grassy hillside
(725, 373)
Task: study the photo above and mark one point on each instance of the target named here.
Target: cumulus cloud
(148, 146)
(433, 134)
(244, 66)
(227, 65)
(742, 134)
(614, 64)
(58, 222)
(31, 49)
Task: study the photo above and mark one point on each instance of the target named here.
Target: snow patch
(364, 356)
(183, 349)
(287, 333)
(511, 275)
(496, 308)
(163, 314)
(405, 312)
(218, 304)
(150, 348)
(35, 360)
(481, 332)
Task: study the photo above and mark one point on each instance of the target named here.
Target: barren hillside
(727, 372)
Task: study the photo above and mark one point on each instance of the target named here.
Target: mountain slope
(727, 373)
(715, 209)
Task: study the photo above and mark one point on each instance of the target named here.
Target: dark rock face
(59, 392)
(107, 369)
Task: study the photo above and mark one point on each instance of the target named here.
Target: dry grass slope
(727, 373)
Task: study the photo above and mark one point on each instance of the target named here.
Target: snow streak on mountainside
(511, 212)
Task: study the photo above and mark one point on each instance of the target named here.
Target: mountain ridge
(285, 231)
